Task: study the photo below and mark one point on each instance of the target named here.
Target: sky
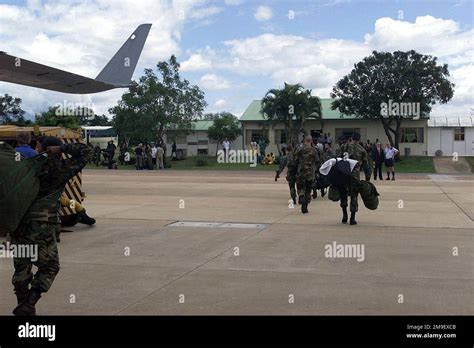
(236, 50)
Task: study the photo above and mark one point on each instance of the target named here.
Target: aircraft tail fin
(120, 68)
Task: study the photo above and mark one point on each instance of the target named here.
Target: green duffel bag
(19, 186)
(334, 194)
(368, 193)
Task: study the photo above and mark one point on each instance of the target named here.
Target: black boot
(353, 218)
(304, 206)
(315, 194)
(323, 192)
(393, 176)
(27, 307)
(344, 215)
(300, 200)
(294, 200)
(83, 218)
(21, 292)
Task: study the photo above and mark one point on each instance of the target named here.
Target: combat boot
(323, 192)
(83, 218)
(344, 215)
(353, 218)
(315, 194)
(21, 292)
(27, 307)
(294, 200)
(304, 205)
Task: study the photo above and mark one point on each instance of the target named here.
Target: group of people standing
(382, 156)
(150, 156)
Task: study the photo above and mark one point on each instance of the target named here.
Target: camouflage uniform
(307, 157)
(319, 162)
(41, 221)
(356, 152)
(290, 162)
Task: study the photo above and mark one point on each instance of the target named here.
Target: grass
(470, 161)
(413, 164)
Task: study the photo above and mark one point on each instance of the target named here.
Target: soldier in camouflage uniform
(353, 150)
(40, 223)
(290, 162)
(307, 157)
(319, 162)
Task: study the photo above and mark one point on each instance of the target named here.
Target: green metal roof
(201, 125)
(252, 113)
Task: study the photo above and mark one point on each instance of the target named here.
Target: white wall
(442, 138)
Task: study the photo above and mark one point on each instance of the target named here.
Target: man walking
(307, 157)
(353, 150)
(289, 162)
(39, 224)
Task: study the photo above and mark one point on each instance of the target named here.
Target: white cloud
(220, 103)
(320, 63)
(81, 37)
(214, 82)
(263, 13)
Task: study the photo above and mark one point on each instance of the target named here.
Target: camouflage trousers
(304, 187)
(292, 184)
(352, 191)
(43, 235)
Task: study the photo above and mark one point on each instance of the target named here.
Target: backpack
(19, 186)
(340, 173)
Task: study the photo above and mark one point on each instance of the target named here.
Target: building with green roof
(195, 141)
(334, 124)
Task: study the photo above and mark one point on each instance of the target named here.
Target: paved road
(134, 262)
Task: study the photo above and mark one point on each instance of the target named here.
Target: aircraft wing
(116, 74)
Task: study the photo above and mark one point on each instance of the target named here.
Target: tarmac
(206, 242)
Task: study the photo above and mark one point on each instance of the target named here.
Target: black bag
(340, 173)
(321, 182)
(334, 194)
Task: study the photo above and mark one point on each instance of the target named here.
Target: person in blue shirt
(23, 140)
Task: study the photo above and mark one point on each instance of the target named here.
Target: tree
(54, 117)
(154, 105)
(398, 77)
(292, 106)
(11, 111)
(225, 126)
(97, 120)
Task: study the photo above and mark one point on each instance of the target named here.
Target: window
(412, 135)
(255, 135)
(281, 136)
(459, 134)
(202, 152)
(202, 142)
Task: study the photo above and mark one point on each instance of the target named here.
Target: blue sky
(236, 50)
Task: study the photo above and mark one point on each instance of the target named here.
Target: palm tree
(292, 106)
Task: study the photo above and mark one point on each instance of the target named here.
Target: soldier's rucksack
(340, 173)
(368, 193)
(19, 186)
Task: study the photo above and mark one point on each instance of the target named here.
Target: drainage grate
(216, 224)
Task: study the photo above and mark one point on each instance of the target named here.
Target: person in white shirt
(226, 145)
(390, 153)
(153, 156)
